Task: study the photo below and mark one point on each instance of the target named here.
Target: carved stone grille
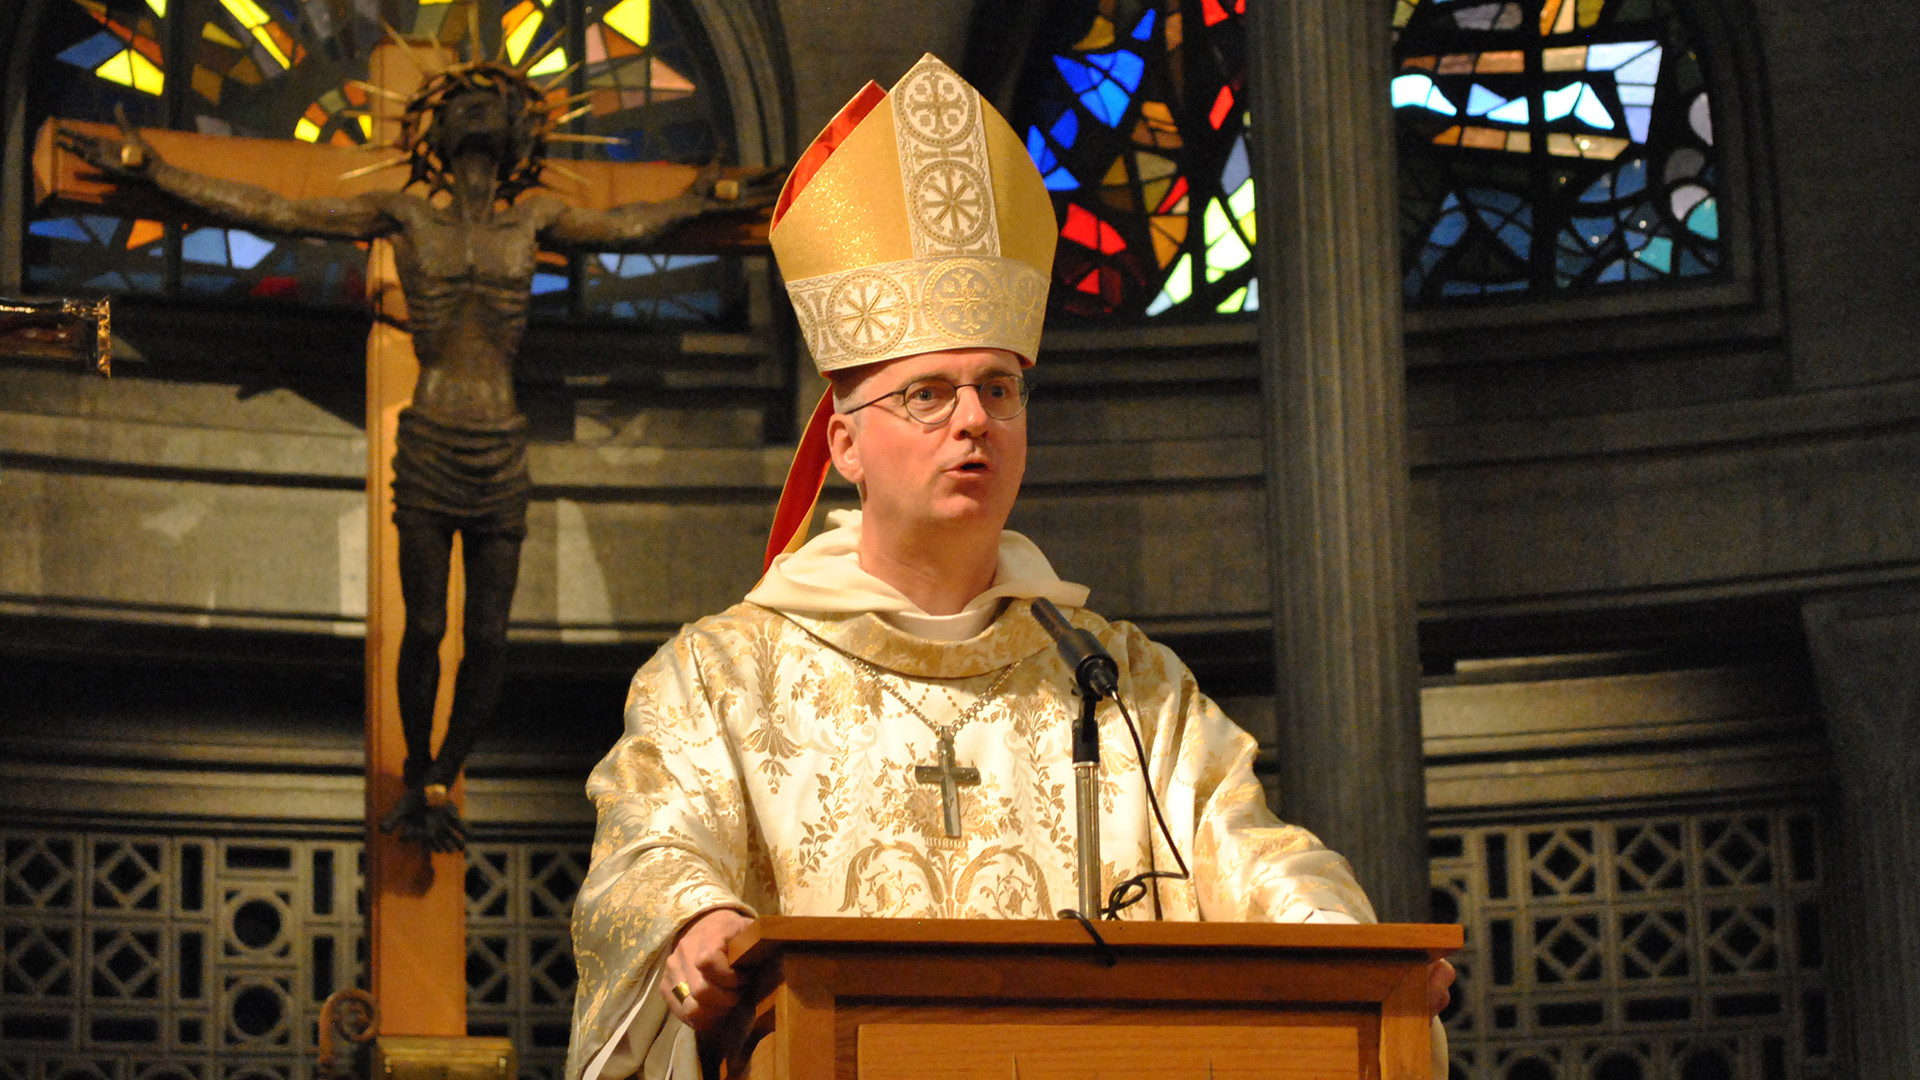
(159, 957)
(520, 947)
(1680, 946)
(153, 957)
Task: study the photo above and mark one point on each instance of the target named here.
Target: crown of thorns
(530, 122)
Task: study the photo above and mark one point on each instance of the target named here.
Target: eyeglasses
(932, 400)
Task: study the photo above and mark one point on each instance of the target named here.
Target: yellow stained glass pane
(1180, 283)
(1449, 137)
(1519, 142)
(306, 130)
(1154, 192)
(1590, 11)
(1423, 63)
(1506, 61)
(159, 7)
(1174, 31)
(1153, 166)
(1401, 13)
(1241, 203)
(1480, 138)
(1233, 303)
(1169, 231)
(1565, 58)
(553, 63)
(1225, 250)
(1117, 174)
(147, 78)
(521, 24)
(634, 18)
(245, 12)
(366, 127)
(1098, 37)
(1601, 147)
(207, 83)
(213, 33)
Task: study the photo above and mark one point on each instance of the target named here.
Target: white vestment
(768, 766)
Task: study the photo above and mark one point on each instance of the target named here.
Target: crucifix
(951, 778)
(449, 277)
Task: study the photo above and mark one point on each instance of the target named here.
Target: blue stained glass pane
(1517, 239)
(205, 246)
(1125, 67)
(682, 262)
(1593, 229)
(1508, 286)
(1078, 75)
(1704, 220)
(1608, 56)
(1589, 110)
(1690, 265)
(1449, 229)
(1504, 201)
(109, 280)
(247, 248)
(1061, 180)
(705, 303)
(1481, 101)
(60, 229)
(547, 283)
(1459, 288)
(611, 261)
(1644, 71)
(147, 281)
(1516, 111)
(1615, 271)
(1145, 30)
(1658, 254)
(101, 226)
(1107, 102)
(1560, 102)
(1066, 129)
(1631, 178)
(1237, 171)
(92, 52)
(1419, 91)
(1639, 119)
(623, 309)
(1253, 296)
(1043, 158)
(1634, 94)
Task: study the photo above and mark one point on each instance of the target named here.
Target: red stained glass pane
(1222, 107)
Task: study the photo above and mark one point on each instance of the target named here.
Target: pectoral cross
(951, 779)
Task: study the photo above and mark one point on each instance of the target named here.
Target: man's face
(473, 122)
(964, 472)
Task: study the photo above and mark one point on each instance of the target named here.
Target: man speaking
(882, 728)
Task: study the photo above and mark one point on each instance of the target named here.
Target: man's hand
(128, 156)
(699, 985)
(1440, 976)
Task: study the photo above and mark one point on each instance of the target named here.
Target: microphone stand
(1086, 801)
(1097, 677)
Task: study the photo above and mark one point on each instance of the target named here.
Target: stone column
(1346, 663)
(1864, 645)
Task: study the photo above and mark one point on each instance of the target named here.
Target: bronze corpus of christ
(475, 134)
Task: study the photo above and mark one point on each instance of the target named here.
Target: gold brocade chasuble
(763, 769)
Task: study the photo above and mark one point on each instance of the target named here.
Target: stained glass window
(1551, 146)
(1133, 113)
(288, 69)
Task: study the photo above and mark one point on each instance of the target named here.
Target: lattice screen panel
(155, 957)
(1683, 947)
(162, 957)
(1679, 946)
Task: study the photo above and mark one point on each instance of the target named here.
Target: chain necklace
(949, 774)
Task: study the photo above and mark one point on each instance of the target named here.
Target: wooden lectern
(942, 999)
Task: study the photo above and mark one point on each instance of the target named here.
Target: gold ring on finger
(682, 993)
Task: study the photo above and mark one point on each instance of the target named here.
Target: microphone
(1093, 667)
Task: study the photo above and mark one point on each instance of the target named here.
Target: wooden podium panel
(926, 999)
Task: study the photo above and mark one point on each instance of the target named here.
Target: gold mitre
(915, 222)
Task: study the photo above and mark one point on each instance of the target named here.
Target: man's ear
(844, 446)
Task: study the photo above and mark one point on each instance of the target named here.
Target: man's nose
(969, 411)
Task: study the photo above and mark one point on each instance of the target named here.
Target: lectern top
(776, 933)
